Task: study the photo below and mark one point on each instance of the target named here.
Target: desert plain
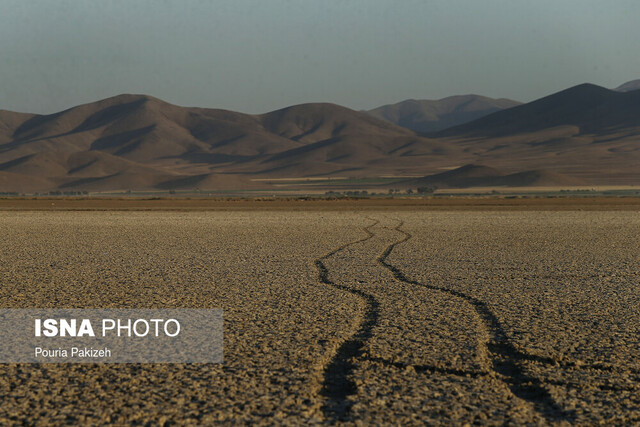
(488, 313)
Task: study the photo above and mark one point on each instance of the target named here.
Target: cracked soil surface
(341, 317)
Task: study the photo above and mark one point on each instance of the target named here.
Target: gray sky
(258, 55)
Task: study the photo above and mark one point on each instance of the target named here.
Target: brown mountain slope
(9, 121)
(144, 142)
(15, 182)
(337, 137)
(139, 127)
(343, 139)
(321, 121)
(484, 176)
(428, 116)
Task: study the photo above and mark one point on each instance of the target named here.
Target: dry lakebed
(341, 316)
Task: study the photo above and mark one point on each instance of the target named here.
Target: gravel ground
(374, 317)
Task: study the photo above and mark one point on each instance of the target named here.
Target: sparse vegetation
(426, 190)
(348, 193)
(66, 193)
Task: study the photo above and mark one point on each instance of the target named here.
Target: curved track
(337, 384)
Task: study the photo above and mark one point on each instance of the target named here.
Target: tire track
(337, 384)
(505, 360)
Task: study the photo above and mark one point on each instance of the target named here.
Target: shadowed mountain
(586, 132)
(427, 116)
(484, 176)
(593, 109)
(629, 86)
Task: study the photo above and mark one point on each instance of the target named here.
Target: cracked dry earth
(341, 317)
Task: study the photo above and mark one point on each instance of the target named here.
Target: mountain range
(427, 116)
(629, 86)
(585, 134)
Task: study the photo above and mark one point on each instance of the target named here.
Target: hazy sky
(259, 55)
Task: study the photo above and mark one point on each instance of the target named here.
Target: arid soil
(351, 316)
(317, 204)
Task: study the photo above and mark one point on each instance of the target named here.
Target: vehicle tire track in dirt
(336, 385)
(505, 360)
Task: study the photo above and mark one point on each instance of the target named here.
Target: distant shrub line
(391, 191)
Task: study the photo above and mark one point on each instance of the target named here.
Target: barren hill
(140, 142)
(483, 176)
(428, 116)
(339, 138)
